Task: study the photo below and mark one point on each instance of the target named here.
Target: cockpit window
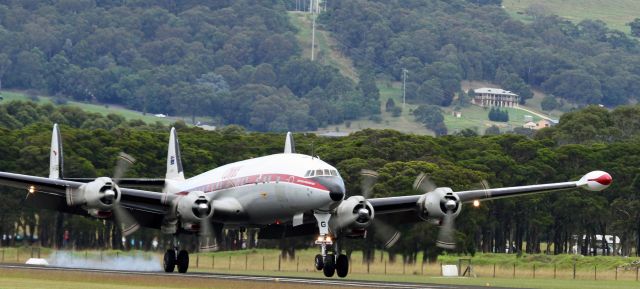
(326, 172)
(308, 173)
(334, 173)
(318, 172)
(311, 173)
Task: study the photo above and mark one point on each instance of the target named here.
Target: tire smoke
(136, 262)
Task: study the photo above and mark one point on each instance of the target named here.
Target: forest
(584, 140)
(236, 62)
(441, 43)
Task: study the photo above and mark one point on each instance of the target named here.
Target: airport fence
(253, 262)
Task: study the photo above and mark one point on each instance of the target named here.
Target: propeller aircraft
(283, 195)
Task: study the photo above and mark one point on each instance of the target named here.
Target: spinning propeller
(385, 232)
(123, 218)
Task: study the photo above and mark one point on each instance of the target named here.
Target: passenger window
(318, 172)
(334, 173)
(326, 172)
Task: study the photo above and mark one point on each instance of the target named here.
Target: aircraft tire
(319, 263)
(329, 265)
(169, 263)
(342, 266)
(183, 261)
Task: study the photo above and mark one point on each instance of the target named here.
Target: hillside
(234, 62)
(616, 13)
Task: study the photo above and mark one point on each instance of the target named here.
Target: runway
(328, 282)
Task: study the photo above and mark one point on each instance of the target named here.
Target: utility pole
(404, 87)
(313, 11)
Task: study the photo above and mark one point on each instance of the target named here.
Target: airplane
(283, 195)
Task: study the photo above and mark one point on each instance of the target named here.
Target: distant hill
(616, 13)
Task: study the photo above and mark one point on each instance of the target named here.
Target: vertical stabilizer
(55, 155)
(289, 144)
(174, 162)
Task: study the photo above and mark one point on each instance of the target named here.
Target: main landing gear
(176, 258)
(171, 260)
(327, 260)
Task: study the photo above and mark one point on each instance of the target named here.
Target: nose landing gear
(326, 260)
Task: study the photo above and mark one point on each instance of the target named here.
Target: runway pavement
(291, 280)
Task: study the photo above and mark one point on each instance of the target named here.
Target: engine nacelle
(353, 215)
(98, 197)
(433, 205)
(194, 207)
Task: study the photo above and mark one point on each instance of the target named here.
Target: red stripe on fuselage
(257, 179)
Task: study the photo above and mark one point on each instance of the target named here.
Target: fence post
(555, 267)
(86, 256)
(297, 263)
(514, 270)
(637, 270)
(31, 251)
(440, 268)
(197, 260)
(574, 270)
(18, 254)
(422, 268)
(494, 270)
(595, 272)
(262, 262)
(404, 265)
(101, 256)
(616, 273)
(534, 271)
(385, 267)
(213, 262)
(368, 263)
(279, 261)
(229, 262)
(2, 255)
(246, 260)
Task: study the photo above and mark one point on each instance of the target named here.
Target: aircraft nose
(334, 184)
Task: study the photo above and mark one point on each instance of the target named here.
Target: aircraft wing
(593, 181)
(45, 193)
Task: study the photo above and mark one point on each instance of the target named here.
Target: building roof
(494, 91)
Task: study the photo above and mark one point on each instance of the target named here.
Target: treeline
(584, 140)
(444, 42)
(234, 61)
(496, 114)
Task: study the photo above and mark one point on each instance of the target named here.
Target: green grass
(477, 118)
(616, 13)
(252, 262)
(95, 108)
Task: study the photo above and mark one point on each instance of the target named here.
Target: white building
(495, 97)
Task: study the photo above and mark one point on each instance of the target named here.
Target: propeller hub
(363, 213)
(110, 194)
(202, 208)
(450, 205)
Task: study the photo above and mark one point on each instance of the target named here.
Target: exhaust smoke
(136, 262)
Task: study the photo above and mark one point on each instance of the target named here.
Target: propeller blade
(385, 233)
(124, 163)
(424, 184)
(368, 180)
(207, 236)
(125, 221)
(446, 238)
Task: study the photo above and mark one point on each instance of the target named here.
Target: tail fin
(174, 162)
(289, 144)
(55, 155)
